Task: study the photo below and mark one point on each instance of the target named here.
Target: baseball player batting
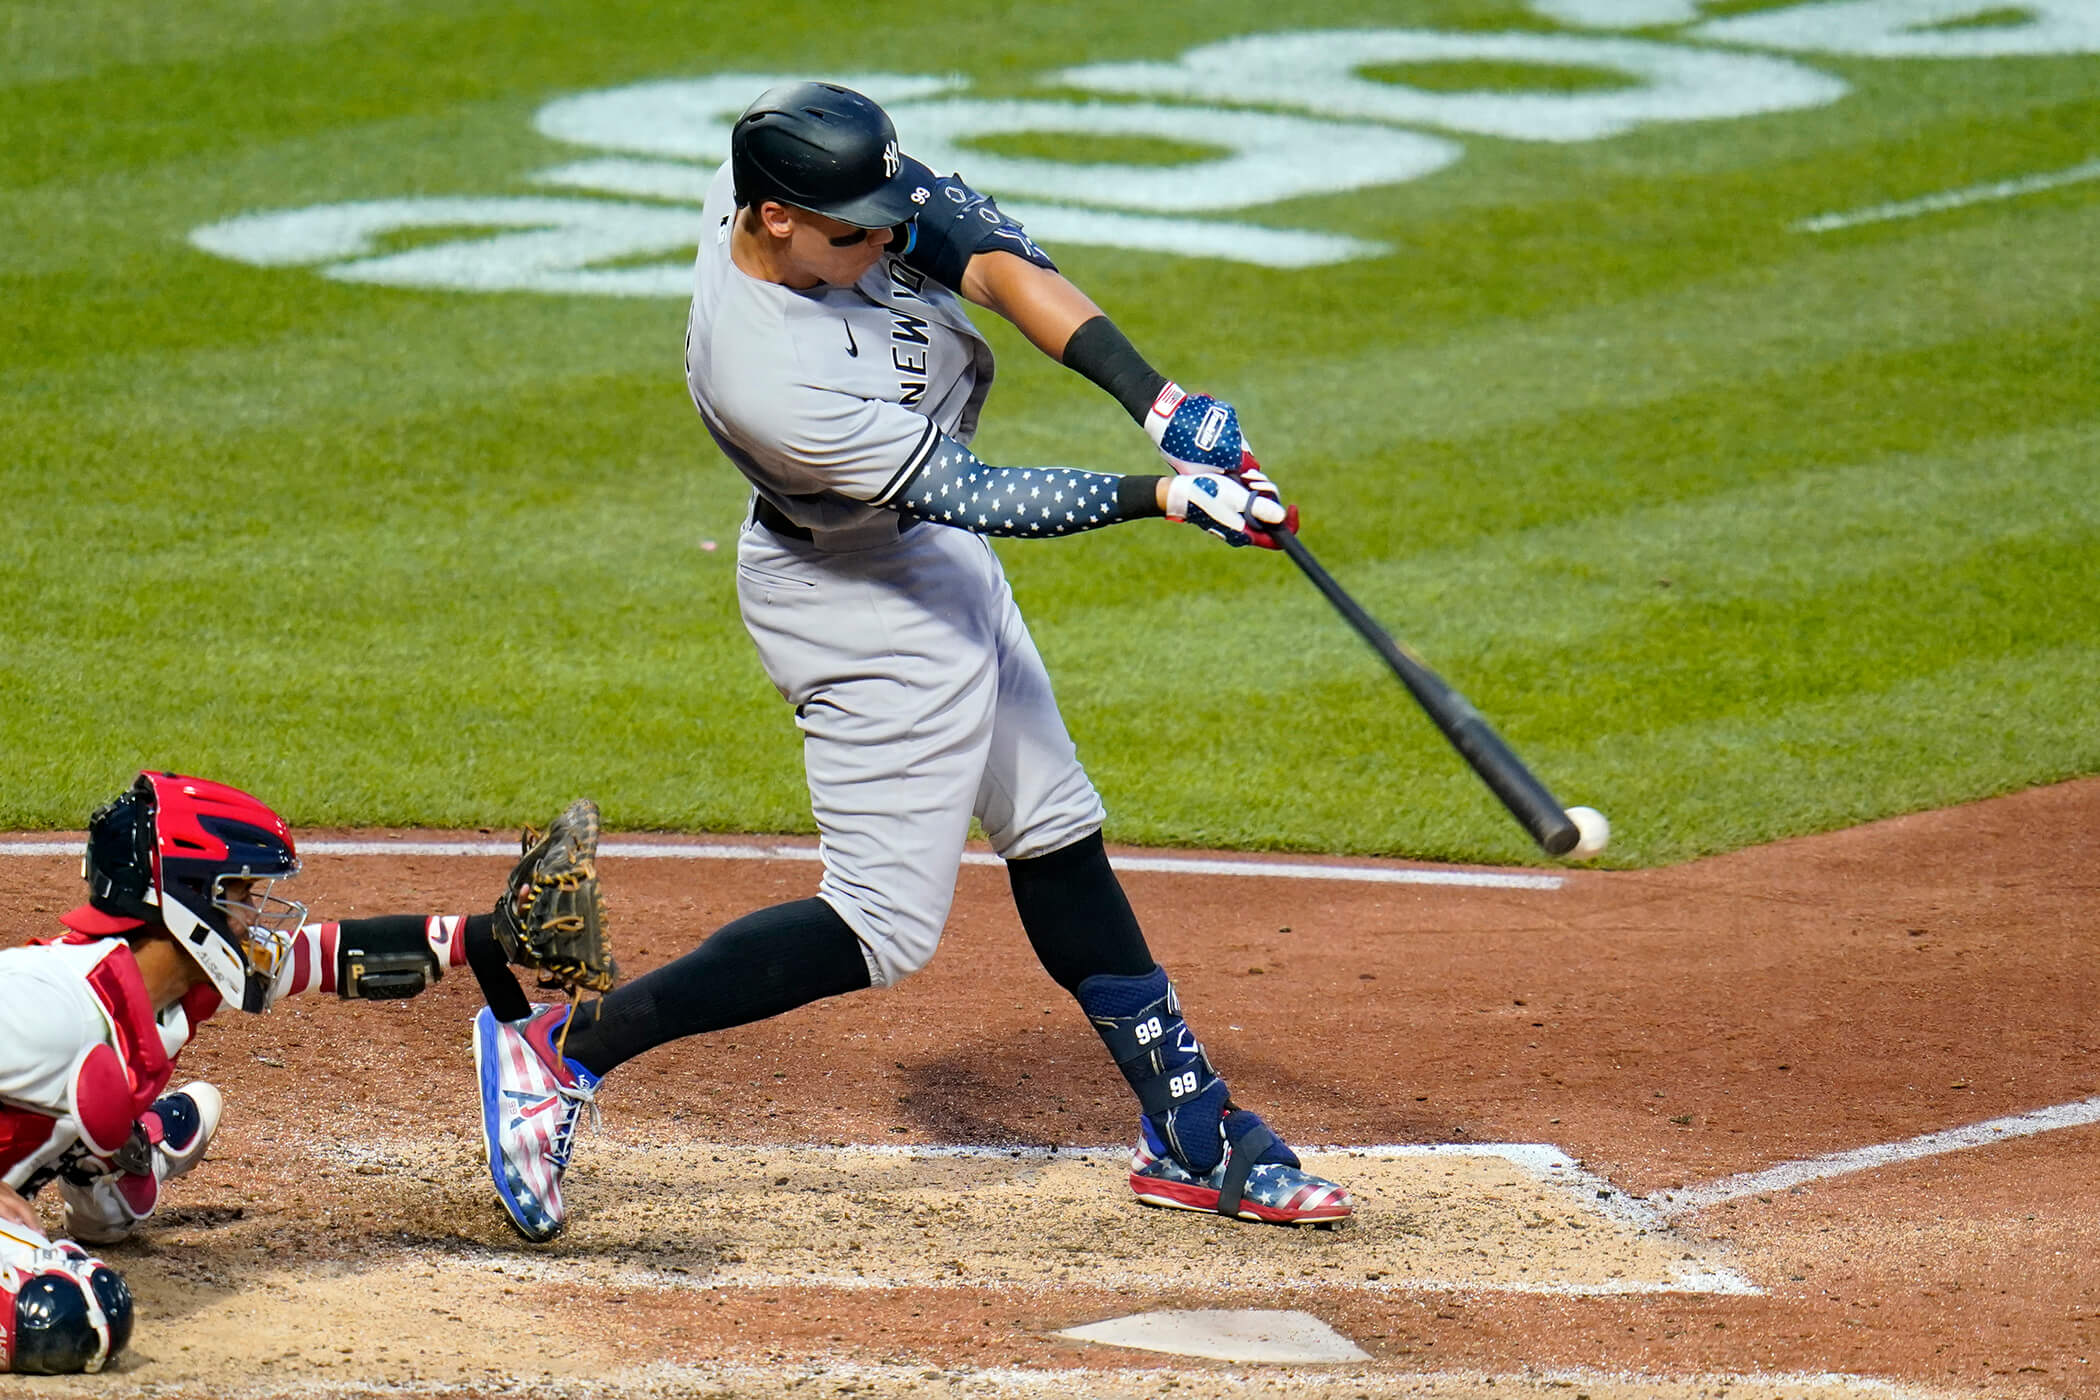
(832, 360)
(181, 919)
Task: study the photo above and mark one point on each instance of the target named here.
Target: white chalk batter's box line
(1668, 1205)
(663, 850)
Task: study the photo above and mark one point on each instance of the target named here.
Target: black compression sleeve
(954, 488)
(767, 962)
(1105, 355)
(499, 987)
(1138, 497)
(1076, 915)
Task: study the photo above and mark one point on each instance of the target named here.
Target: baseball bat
(1528, 801)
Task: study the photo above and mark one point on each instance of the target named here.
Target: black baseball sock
(1077, 916)
(767, 962)
(492, 970)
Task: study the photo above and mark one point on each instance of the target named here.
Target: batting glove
(1198, 433)
(1222, 506)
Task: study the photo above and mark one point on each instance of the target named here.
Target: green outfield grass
(1736, 531)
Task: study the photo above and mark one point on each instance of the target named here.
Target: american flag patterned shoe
(1259, 1178)
(531, 1101)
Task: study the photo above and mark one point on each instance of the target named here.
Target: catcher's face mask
(259, 922)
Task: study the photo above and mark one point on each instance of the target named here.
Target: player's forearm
(955, 488)
(373, 959)
(1040, 302)
(1065, 324)
(1103, 354)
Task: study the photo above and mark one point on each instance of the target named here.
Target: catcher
(182, 919)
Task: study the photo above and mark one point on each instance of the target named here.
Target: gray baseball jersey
(920, 695)
(828, 399)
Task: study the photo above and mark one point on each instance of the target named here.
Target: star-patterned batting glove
(1222, 506)
(1199, 433)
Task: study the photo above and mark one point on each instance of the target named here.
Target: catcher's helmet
(827, 148)
(163, 851)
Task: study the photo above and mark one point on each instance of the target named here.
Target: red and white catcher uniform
(86, 1056)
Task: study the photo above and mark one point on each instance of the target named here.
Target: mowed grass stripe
(2025, 269)
(1518, 232)
(1775, 543)
(1978, 726)
(1775, 534)
(1685, 487)
(1981, 725)
(51, 40)
(1729, 615)
(235, 83)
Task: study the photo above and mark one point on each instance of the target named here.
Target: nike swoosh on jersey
(851, 348)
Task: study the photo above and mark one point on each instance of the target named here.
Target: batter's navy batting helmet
(823, 147)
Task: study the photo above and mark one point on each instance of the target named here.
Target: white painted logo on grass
(1264, 118)
(1863, 28)
(1919, 28)
(1323, 72)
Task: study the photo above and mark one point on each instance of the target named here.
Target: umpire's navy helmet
(827, 148)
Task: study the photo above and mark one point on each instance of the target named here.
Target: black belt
(774, 519)
(771, 516)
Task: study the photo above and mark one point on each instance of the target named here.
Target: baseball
(1594, 831)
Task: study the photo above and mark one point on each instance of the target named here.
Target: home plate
(1225, 1334)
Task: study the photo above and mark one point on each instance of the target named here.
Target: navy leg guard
(1189, 1120)
(1184, 1100)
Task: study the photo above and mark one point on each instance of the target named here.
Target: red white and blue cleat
(1258, 1178)
(531, 1101)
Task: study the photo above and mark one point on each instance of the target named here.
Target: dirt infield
(917, 1192)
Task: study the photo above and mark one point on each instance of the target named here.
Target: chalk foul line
(1157, 865)
(1859, 1159)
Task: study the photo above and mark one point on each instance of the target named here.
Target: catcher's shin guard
(61, 1310)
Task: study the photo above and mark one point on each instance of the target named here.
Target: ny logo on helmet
(891, 161)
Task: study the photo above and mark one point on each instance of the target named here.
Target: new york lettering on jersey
(908, 356)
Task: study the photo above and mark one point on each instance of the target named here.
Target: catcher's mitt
(552, 914)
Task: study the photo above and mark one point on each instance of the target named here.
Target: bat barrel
(1485, 751)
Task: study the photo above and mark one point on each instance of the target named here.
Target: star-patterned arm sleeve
(954, 488)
